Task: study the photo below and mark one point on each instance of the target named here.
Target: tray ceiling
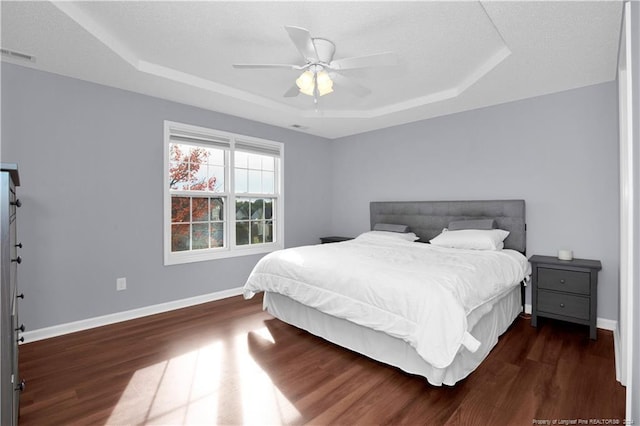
(452, 56)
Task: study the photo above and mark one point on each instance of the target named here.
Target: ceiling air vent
(17, 55)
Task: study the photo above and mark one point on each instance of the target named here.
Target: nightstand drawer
(563, 280)
(563, 304)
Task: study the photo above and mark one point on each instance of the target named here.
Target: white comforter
(416, 292)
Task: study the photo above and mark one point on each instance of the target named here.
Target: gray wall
(558, 152)
(90, 160)
(91, 166)
(634, 386)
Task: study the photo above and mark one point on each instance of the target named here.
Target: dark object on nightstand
(565, 290)
(325, 240)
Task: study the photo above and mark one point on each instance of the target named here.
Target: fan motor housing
(325, 49)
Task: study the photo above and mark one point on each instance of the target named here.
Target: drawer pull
(562, 305)
(21, 328)
(20, 386)
(21, 340)
(16, 203)
(20, 296)
(18, 260)
(19, 245)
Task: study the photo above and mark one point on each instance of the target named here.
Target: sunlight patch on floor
(181, 390)
(264, 333)
(215, 384)
(262, 402)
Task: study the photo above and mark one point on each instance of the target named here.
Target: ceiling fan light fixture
(324, 82)
(319, 68)
(308, 79)
(305, 83)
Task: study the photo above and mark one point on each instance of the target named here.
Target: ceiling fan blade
(376, 60)
(261, 66)
(350, 85)
(302, 39)
(292, 92)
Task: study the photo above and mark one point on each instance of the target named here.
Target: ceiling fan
(320, 70)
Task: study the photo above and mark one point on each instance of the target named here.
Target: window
(223, 194)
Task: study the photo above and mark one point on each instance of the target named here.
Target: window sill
(204, 255)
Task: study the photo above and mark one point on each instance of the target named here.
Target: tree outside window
(197, 222)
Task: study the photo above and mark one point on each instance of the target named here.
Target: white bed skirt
(393, 351)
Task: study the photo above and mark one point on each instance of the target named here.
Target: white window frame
(230, 249)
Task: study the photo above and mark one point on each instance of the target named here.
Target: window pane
(179, 237)
(242, 233)
(198, 155)
(241, 181)
(268, 163)
(178, 175)
(257, 209)
(268, 186)
(198, 180)
(179, 152)
(196, 168)
(199, 236)
(255, 181)
(216, 156)
(180, 209)
(242, 209)
(217, 235)
(217, 209)
(241, 159)
(255, 161)
(216, 178)
(199, 209)
(257, 232)
(268, 208)
(268, 232)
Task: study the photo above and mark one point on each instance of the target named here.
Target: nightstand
(325, 240)
(565, 290)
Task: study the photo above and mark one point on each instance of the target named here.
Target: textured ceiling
(452, 56)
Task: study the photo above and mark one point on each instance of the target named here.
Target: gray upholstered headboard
(427, 218)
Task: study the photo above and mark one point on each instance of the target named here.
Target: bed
(427, 309)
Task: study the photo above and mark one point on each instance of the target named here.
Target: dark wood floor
(227, 362)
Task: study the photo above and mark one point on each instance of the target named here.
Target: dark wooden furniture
(10, 383)
(326, 240)
(565, 290)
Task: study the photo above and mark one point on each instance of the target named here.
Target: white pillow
(473, 239)
(406, 236)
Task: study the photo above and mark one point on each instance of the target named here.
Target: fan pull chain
(315, 89)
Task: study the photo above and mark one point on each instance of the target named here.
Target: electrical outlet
(121, 284)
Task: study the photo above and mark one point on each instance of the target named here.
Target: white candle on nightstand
(565, 255)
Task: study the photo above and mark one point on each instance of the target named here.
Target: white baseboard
(71, 327)
(607, 324)
(616, 352)
(603, 323)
